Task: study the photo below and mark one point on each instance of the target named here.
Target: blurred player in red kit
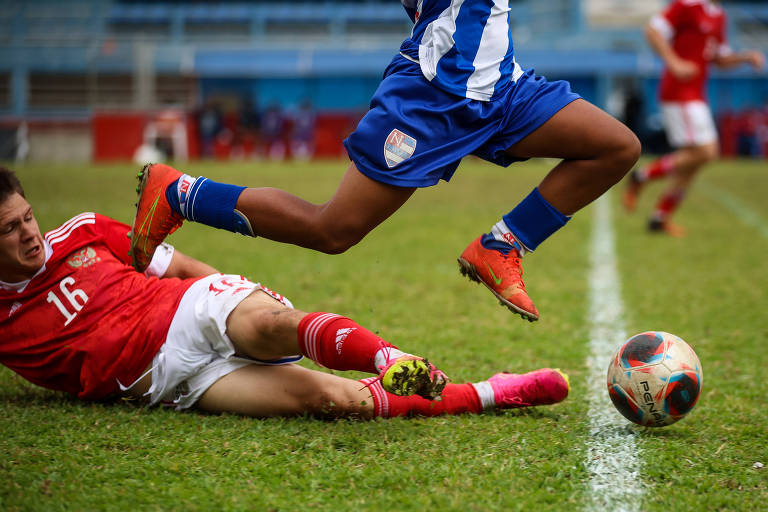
(689, 36)
(75, 316)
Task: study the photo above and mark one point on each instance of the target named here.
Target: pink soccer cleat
(541, 387)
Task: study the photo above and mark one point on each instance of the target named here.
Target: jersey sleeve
(674, 16)
(115, 236)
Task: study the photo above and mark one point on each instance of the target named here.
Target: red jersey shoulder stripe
(62, 232)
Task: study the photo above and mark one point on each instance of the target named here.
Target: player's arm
(658, 33)
(168, 262)
(727, 60)
(184, 266)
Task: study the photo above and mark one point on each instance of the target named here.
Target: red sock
(667, 204)
(456, 399)
(658, 168)
(339, 343)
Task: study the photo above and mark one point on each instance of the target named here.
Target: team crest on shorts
(398, 147)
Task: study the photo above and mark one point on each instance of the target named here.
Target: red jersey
(696, 30)
(87, 319)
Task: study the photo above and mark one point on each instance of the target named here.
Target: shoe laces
(513, 264)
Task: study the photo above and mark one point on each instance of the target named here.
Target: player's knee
(629, 150)
(337, 239)
(708, 153)
(624, 152)
(337, 245)
(618, 154)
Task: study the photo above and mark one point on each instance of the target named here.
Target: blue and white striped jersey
(463, 46)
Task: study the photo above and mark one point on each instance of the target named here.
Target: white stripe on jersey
(66, 225)
(493, 47)
(451, 37)
(62, 233)
(438, 39)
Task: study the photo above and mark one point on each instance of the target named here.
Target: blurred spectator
(272, 132)
(633, 111)
(210, 125)
(248, 123)
(165, 138)
(22, 142)
(303, 133)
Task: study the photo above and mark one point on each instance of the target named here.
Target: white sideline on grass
(613, 451)
(744, 213)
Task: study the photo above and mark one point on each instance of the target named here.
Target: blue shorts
(415, 134)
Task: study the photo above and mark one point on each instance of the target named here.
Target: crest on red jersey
(83, 258)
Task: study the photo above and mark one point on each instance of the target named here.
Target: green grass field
(710, 288)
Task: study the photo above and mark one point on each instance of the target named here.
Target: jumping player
(688, 36)
(76, 317)
(454, 89)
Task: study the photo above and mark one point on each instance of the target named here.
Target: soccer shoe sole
(468, 270)
(142, 176)
(411, 377)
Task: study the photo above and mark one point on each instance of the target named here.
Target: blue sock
(534, 220)
(211, 203)
(172, 196)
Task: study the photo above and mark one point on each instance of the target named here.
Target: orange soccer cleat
(632, 191)
(500, 273)
(155, 219)
(666, 227)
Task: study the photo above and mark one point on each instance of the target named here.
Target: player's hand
(683, 69)
(756, 59)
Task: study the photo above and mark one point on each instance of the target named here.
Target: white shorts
(688, 123)
(197, 351)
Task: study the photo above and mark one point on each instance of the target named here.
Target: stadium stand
(71, 61)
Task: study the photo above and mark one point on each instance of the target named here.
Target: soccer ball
(654, 379)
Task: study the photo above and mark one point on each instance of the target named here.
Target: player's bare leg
(358, 205)
(688, 163)
(677, 165)
(290, 390)
(261, 327)
(167, 197)
(596, 151)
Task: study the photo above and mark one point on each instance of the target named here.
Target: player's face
(22, 252)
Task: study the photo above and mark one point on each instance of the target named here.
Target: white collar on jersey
(22, 285)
